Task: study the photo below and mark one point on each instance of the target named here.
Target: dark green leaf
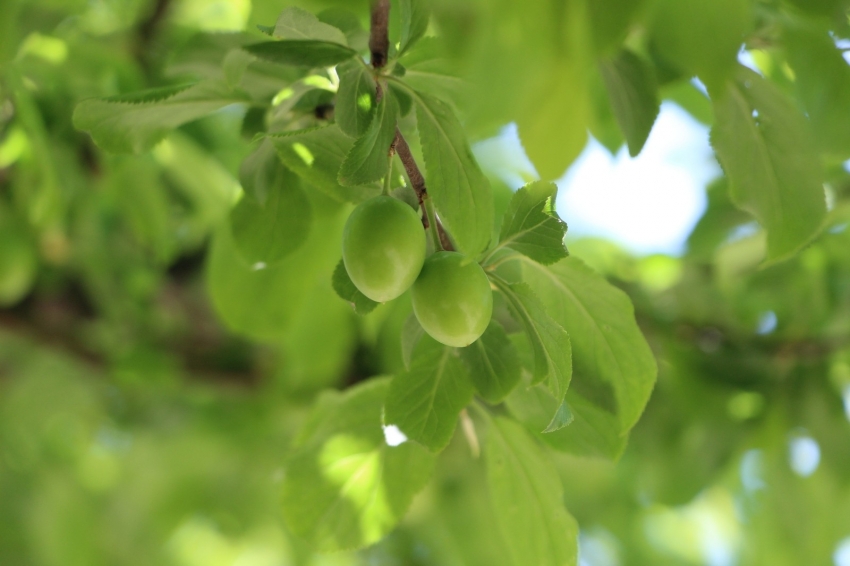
(527, 499)
(345, 487)
(136, 122)
(368, 161)
(425, 401)
(550, 343)
(348, 292)
(607, 344)
(301, 52)
(532, 227)
(414, 22)
(459, 189)
(768, 155)
(355, 100)
(296, 23)
(493, 363)
(634, 96)
(316, 154)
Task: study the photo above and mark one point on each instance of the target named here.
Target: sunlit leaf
(532, 227)
(345, 487)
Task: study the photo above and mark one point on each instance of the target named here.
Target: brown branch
(417, 182)
(379, 37)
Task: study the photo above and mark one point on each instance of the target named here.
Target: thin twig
(379, 37)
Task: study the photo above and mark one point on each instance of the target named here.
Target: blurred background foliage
(150, 381)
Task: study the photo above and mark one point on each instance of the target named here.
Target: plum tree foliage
(260, 298)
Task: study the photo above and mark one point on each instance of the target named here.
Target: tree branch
(417, 182)
(379, 37)
(379, 45)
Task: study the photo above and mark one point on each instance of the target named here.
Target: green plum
(452, 299)
(383, 247)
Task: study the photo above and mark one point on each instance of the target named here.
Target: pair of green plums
(383, 248)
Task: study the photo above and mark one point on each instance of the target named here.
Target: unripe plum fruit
(383, 247)
(452, 299)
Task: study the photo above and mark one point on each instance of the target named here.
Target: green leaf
(682, 31)
(260, 171)
(313, 99)
(633, 91)
(264, 303)
(348, 292)
(459, 189)
(607, 344)
(368, 161)
(532, 227)
(355, 99)
(266, 233)
(425, 401)
(316, 154)
(411, 333)
(774, 173)
(344, 487)
(428, 69)
(349, 23)
(527, 499)
(536, 407)
(593, 431)
(493, 363)
(301, 52)
(134, 123)
(556, 111)
(550, 343)
(414, 22)
(823, 81)
(296, 23)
